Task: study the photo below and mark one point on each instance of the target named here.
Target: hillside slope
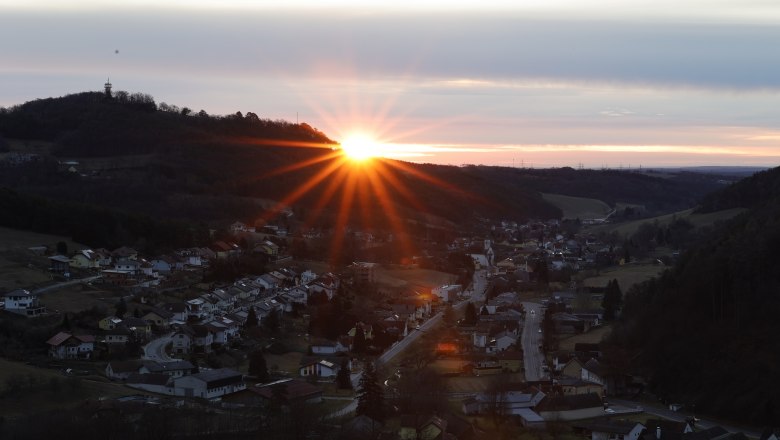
(170, 162)
(706, 332)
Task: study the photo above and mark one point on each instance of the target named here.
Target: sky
(525, 83)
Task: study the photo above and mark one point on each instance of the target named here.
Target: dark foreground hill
(168, 162)
(707, 332)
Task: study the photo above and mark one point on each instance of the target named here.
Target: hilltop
(132, 154)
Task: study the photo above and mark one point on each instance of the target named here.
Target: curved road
(155, 349)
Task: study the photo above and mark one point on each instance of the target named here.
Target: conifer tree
(371, 399)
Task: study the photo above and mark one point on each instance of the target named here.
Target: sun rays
(353, 186)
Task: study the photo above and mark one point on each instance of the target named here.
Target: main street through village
(533, 357)
(477, 295)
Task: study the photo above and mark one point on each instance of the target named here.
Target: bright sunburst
(360, 147)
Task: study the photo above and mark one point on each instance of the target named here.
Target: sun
(361, 147)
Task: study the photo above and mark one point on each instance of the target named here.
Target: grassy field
(698, 220)
(19, 267)
(397, 278)
(627, 275)
(578, 207)
(76, 298)
(593, 337)
(45, 389)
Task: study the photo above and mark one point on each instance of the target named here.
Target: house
(510, 360)
(770, 434)
(321, 368)
(572, 368)
(572, 407)
(225, 250)
(447, 292)
(661, 429)
(178, 311)
(296, 392)
(64, 345)
(109, 323)
(528, 418)
(501, 342)
(155, 383)
(118, 335)
(420, 427)
(209, 384)
(592, 371)
(163, 264)
(124, 252)
(268, 248)
(363, 273)
(506, 403)
(182, 340)
(177, 368)
(613, 430)
(159, 318)
(121, 370)
(85, 259)
(575, 385)
(59, 264)
(127, 265)
(23, 302)
(140, 328)
(325, 346)
(103, 257)
(202, 339)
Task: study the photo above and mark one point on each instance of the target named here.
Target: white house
(209, 384)
(320, 368)
(447, 293)
(23, 302)
(614, 430)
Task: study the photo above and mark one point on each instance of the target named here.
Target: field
(593, 337)
(400, 278)
(627, 275)
(78, 297)
(19, 267)
(578, 207)
(25, 387)
(698, 220)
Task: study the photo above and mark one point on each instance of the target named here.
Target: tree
(272, 321)
(449, 315)
(62, 248)
(137, 312)
(359, 342)
(121, 308)
(257, 366)
(470, 318)
(613, 299)
(65, 321)
(371, 399)
(343, 378)
(251, 318)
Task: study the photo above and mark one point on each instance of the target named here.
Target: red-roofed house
(64, 345)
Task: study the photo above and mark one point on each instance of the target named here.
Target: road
(155, 349)
(533, 357)
(65, 284)
(479, 285)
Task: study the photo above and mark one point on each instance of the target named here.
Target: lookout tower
(107, 86)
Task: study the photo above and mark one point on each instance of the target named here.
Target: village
(496, 333)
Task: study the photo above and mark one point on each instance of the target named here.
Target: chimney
(658, 432)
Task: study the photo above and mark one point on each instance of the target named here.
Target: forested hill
(164, 161)
(748, 192)
(706, 332)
